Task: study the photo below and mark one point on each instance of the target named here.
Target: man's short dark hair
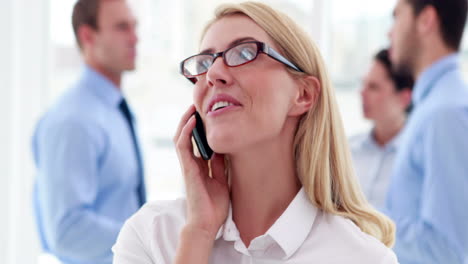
(401, 81)
(452, 17)
(85, 12)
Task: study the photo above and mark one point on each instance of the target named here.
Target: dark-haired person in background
(386, 97)
(89, 171)
(428, 196)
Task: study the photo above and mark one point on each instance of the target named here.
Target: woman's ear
(308, 92)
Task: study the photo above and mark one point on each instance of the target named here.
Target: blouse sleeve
(390, 258)
(131, 247)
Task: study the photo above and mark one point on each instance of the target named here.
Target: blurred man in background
(90, 172)
(386, 99)
(428, 191)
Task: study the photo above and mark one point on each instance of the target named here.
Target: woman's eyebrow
(233, 43)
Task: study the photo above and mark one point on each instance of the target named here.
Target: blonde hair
(322, 154)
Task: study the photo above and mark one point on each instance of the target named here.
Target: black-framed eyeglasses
(237, 55)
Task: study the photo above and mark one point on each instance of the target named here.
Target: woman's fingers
(183, 122)
(184, 142)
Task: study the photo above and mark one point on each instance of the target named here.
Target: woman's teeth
(220, 105)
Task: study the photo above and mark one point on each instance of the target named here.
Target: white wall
(23, 80)
(5, 119)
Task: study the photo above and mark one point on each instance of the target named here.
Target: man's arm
(67, 156)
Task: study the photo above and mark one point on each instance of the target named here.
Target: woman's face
(380, 99)
(260, 93)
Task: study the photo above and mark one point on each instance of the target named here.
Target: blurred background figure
(428, 190)
(89, 167)
(386, 99)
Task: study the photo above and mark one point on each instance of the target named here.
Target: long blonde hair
(322, 154)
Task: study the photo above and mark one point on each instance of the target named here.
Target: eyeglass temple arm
(275, 55)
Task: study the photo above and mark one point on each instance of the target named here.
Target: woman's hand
(207, 197)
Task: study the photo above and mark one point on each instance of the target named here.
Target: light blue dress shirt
(86, 186)
(428, 196)
(374, 166)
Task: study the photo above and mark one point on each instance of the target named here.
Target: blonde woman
(280, 188)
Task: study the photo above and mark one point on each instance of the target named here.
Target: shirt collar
(294, 225)
(430, 75)
(393, 144)
(289, 231)
(369, 140)
(100, 86)
(396, 140)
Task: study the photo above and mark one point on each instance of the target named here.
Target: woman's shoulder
(346, 237)
(154, 213)
(357, 142)
(171, 208)
(151, 233)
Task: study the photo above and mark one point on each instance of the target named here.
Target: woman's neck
(385, 131)
(263, 184)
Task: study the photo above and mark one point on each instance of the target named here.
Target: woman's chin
(223, 146)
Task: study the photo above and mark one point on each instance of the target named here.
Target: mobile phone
(199, 136)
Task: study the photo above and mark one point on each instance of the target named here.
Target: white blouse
(374, 166)
(302, 234)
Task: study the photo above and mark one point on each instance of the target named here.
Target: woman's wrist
(195, 245)
(200, 234)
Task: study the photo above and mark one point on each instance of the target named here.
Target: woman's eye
(247, 54)
(206, 64)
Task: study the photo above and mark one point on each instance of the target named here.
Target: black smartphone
(199, 136)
